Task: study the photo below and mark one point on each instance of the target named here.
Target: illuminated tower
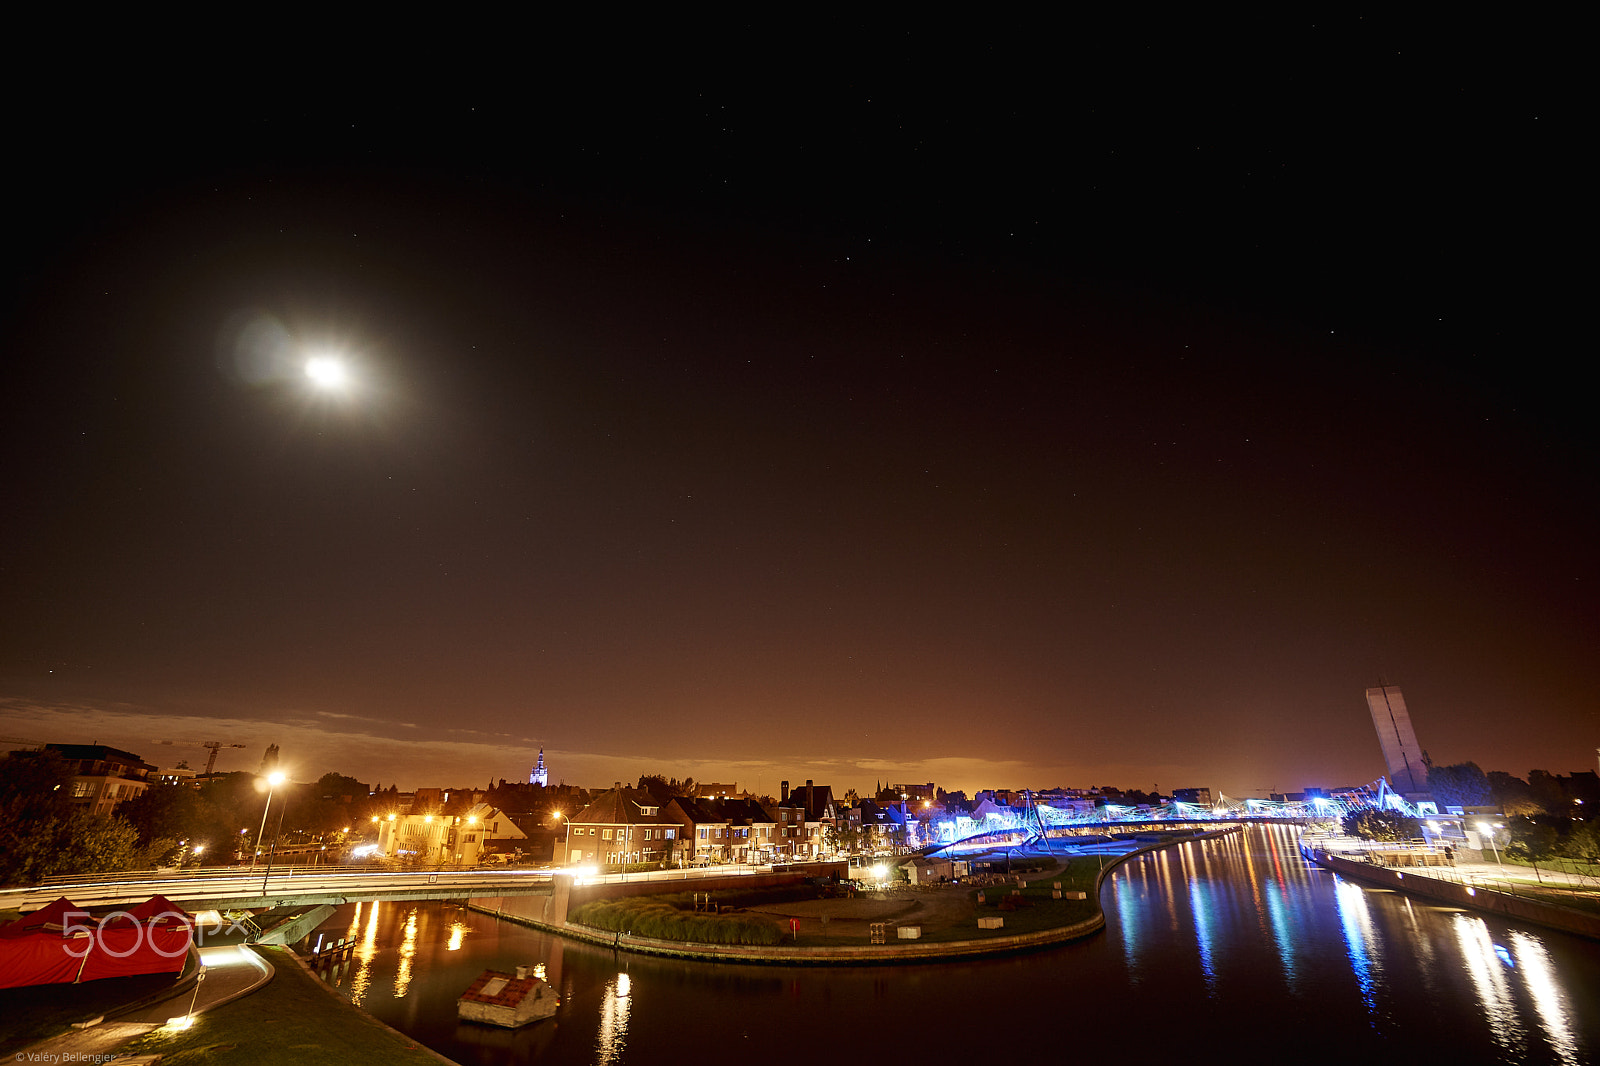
(1400, 751)
(539, 775)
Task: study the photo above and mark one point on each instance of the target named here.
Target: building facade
(621, 827)
(103, 777)
(448, 839)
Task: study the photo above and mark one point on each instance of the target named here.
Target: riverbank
(945, 920)
(1472, 886)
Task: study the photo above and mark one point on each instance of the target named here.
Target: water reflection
(1126, 897)
(1486, 968)
(1360, 940)
(1278, 921)
(408, 952)
(1539, 977)
(1200, 907)
(366, 950)
(612, 1040)
(1216, 933)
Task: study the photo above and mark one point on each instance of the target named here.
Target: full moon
(326, 372)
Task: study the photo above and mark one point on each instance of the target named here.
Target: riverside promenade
(1551, 898)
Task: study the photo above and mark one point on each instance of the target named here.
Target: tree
(1582, 842)
(175, 811)
(1370, 824)
(665, 788)
(1460, 784)
(35, 798)
(1549, 791)
(1532, 839)
(1511, 793)
(845, 837)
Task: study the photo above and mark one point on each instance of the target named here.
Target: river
(1230, 950)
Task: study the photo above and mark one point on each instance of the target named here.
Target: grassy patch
(657, 917)
(1566, 866)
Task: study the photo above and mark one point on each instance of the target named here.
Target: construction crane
(213, 746)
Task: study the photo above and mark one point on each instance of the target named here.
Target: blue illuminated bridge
(1037, 824)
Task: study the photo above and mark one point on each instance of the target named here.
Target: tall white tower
(539, 775)
(1400, 751)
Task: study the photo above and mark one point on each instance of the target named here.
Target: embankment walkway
(1510, 891)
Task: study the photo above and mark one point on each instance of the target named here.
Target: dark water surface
(1231, 950)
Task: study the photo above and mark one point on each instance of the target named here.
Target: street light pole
(274, 779)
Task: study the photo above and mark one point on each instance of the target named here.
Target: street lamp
(274, 779)
(1485, 827)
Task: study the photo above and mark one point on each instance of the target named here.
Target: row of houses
(630, 825)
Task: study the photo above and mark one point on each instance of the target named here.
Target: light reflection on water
(366, 950)
(408, 952)
(1200, 906)
(1540, 979)
(612, 1040)
(1360, 941)
(1487, 969)
(1216, 933)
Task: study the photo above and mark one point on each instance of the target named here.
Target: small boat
(507, 1000)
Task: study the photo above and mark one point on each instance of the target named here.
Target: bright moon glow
(326, 372)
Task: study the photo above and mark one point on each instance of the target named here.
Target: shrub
(660, 920)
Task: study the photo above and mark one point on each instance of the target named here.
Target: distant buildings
(539, 775)
(464, 839)
(103, 777)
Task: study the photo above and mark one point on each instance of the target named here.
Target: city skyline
(977, 417)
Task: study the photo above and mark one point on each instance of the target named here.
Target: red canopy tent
(62, 943)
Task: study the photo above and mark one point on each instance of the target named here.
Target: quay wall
(1414, 882)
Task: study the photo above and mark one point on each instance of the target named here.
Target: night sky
(967, 404)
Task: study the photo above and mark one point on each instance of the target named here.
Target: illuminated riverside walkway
(1553, 898)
